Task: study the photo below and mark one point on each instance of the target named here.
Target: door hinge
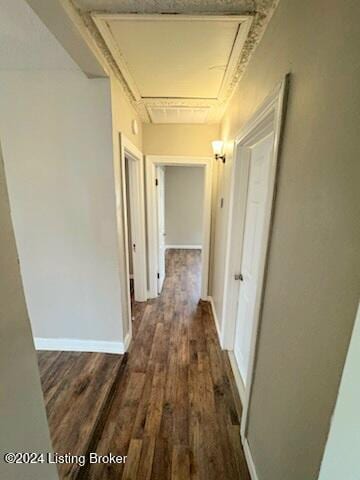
(156, 182)
(158, 275)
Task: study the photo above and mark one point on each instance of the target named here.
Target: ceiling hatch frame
(147, 106)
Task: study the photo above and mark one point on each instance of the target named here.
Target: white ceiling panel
(176, 58)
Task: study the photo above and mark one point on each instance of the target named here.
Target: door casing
(151, 162)
(129, 152)
(259, 163)
(160, 190)
(267, 119)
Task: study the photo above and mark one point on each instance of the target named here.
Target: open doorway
(134, 276)
(178, 213)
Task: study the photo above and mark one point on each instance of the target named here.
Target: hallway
(179, 241)
(174, 412)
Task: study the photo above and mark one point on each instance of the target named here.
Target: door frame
(137, 214)
(151, 162)
(129, 150)
(158, 169)
(268, 118)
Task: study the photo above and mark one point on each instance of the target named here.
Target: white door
(259, 171)
(160, 190)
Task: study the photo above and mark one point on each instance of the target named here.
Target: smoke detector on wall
(134, 127)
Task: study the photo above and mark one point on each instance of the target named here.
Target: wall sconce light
(217, 146)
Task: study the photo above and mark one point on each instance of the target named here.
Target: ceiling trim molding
(231, 69)
(244, 22)
(98, 38)
(244, 25)
(260, 21)
(104, 29)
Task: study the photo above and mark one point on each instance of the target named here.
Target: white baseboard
(250, 461)
(127, 341)
(186, 247)
(240, 387)
(76, 345)
(213, 310)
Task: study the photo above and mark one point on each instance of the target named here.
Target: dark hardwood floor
(173, 407)
(76, 388)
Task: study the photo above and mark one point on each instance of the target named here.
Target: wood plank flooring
(76, 388)
(174, 411)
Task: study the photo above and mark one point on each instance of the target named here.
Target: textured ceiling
(25, 42)
(174, 6)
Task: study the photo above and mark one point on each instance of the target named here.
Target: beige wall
(219, 219)
(174, 139)
(57, 143)
(312, 286)
(184, 198)
(122, 116)
(23, 419)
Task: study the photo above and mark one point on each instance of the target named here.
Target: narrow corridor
(187, 148)
(170, 404)
(175, 414)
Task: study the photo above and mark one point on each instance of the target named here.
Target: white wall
(184, 198)
(341, 458)
(22, 406)
(57, 141)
